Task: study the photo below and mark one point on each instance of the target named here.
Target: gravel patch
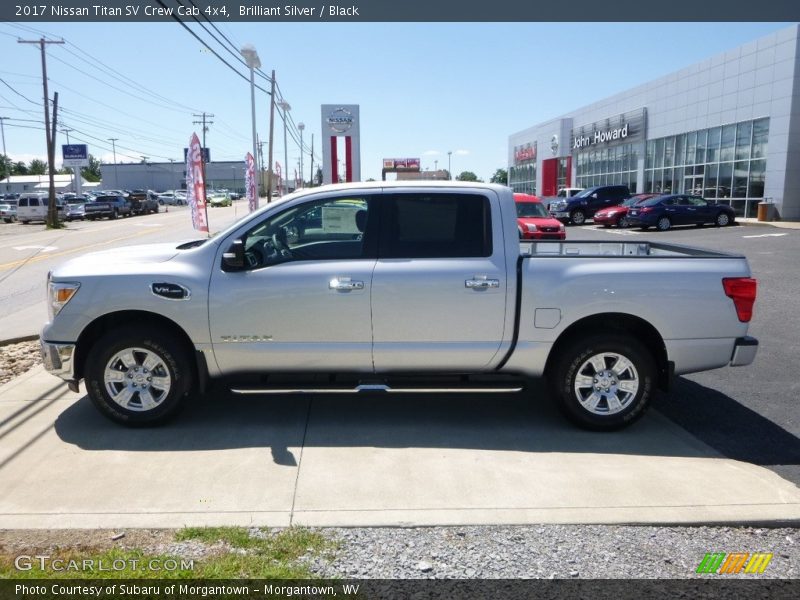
(549, 551)
(16, 359)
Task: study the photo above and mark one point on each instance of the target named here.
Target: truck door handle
(345, 284)
(483, 283)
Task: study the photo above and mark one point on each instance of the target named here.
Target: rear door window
(420, 225)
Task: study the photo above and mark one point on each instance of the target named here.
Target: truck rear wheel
(603, 382)
(137, 376)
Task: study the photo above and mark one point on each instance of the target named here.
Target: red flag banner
(250, 182)
(196, 185)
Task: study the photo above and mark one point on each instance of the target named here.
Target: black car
(662, 212)
(583, 205)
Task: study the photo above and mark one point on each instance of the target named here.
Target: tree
(500, 176)
(467, 176)
(92, 172)
(37, 167)
(6, 166)
(20, 168)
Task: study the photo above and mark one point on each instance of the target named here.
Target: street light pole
(114, 150)
(301, 127)
(286, 108)
(449, 172)
(248, 51)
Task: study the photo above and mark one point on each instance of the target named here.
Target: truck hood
(116, 260)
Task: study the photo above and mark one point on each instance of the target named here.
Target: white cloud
(461, 152)
(431, 153)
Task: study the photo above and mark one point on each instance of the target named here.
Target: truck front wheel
(603, 382)
(578, 217)
(137, 376)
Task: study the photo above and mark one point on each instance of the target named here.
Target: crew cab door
(440, 282)
(301, 302)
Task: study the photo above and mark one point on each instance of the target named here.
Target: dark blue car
(663, 212)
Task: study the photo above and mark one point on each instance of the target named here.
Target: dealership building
(726, 128)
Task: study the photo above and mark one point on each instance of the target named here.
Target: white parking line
(765, 235)
(618, 231)
(39, 248)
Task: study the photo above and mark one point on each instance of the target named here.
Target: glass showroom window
(727, 163)
(522, 178)
(615, 165)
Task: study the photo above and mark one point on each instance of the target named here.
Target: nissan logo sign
(554, 144)
(340, 120)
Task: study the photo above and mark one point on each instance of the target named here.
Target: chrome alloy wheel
(137, 379)
(606, 383)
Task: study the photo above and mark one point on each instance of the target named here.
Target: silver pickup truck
(394, 287)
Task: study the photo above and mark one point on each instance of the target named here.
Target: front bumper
(744, 351)
(59, 360)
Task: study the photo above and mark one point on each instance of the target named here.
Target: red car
(534, 222)
(618, 215)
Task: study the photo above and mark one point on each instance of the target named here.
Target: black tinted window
(435, 226)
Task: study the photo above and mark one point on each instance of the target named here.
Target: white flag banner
(196, 185)
(250, 182)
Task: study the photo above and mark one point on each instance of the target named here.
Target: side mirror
(233, 258)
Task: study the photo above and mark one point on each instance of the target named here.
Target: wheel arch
(140, 318)
(616, 323)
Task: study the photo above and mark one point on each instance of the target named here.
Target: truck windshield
(531, 209)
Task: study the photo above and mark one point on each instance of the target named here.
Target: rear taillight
(646, 209)
(742, 290)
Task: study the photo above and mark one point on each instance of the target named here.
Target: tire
(594, 362)
(663, 223)
(723, 220)
(622, 222)
(115, 214)
(119, 374)
(578, 217)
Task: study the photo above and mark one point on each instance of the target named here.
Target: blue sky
(423, 88)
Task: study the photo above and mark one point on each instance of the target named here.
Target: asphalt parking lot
(721, 447)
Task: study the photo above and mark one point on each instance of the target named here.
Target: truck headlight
(531, 227)
(58, 294)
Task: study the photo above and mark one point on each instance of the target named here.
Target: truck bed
(589, 249)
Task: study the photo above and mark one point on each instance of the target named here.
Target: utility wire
(199, 39)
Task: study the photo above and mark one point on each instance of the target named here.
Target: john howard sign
(625, 128)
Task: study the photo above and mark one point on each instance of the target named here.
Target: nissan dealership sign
(340, 120)
(625, 128)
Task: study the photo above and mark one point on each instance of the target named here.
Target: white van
(33, 207)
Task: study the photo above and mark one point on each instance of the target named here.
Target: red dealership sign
(523, 153)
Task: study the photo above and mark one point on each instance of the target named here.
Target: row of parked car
(613, 205)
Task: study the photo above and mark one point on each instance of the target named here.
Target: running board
(382, 388)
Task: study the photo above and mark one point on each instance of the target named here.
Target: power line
(199, 39)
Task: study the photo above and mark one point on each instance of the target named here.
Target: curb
(16, 340)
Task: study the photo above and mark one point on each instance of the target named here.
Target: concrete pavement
(360, 460)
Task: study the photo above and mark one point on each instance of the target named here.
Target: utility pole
(311, 179)
(52, 213)
(301, 127)
(114, 150)
(205, 128)
(260, 164)
(66, 132)
(271, 136)
(286, 107)
(5, 155)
